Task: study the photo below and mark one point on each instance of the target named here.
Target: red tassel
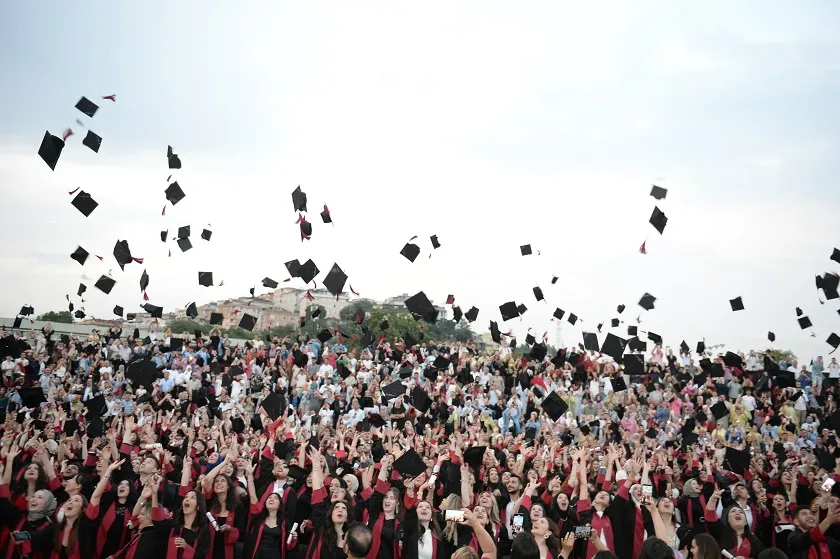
(164, 211)
(326, 210)
(99, 257)
(145, 297)
(287, 280)
(138, 260)
(412, 238)
(112, 97)
(545, 336)
(222, 283)
(450, 299)
(67, 134)
(235, 312)
(316, 284)
(353, 291)
(309, 295)
(74, 190)
(169, 178)
(642, 248)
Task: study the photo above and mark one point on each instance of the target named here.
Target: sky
(489, 124)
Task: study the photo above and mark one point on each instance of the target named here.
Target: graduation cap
(572, 318)
(737, 304)
(316, 312)
(343, 371)
(771, 336)
(273, 404)
(176, 344)
(634, 364)
(620, 309)
(335, 280)
(495, 334)
(618, 384)
(529, 339)
(87, 106)
(31, 397)
(144, 281)
(325, 335)
(525, 250)
(270, 283)
(798, 310)
(538, 352)
(105, 284)
(192, 310)
(521, 309)
(614, 346)
(163, 235)
(384, 324)
(300, 358)
(614, 323)
(216, 318)
(410, 464)
(325, 215)
(79, 314)
(590, 341)
(804, 322)
(509, 311)
(658, 192)
(632, 330)
(50, 149)
(154, 311)
(122, 254)
(647, 301)
(736, 461)
(701, 346)
(174, 194)
(457, 314)
(420, 306)
(206, 234)
(420, 400)
(472, 314)
(654, 337)
(393, 390)
(554, 406)
(684, 347)
(308, 271)
(184, 244)
(205, 279)
(248, 322)
(558, 313)
(732, 359)
(299, 200)
(538, 294)
(554, 279)
(829, 284)
(410, 251)
(441, 363)
(435, 242)
(84, 203)
(719, 410)
(80, 255)
(658, 220)
(410, 341)
(173, 160)
(293, 267)
(92, 141)
(834, 341)
(81, 290)
(474, 456)
(184, 232)
(118, 310)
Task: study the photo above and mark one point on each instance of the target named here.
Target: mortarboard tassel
(545, 336)
(100, 258)
(412, 238)
(67, 134)
(170, 253)
(642, 248)
(236, 312)
(169, 178)
(145, 297)
(74, 190)
(138, 260)
(353, 291)
(309, 295)
(287, 280)
(112, 97)
(164, 211)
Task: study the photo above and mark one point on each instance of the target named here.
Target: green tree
(56, 316)
(778, 354)
(184, 325)
(348, 313)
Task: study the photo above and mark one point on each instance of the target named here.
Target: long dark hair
(260, 518)
(330, 534)
(231, 498)
(200, 512)
(728, 537)
(655, 548)
(707, 546)
(21, 486)
(74, 531)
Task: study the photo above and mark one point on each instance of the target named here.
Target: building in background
(295, 301)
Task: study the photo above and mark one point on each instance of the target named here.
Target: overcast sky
(490, 124)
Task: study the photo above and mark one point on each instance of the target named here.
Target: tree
(348, 313)
(778, 354)
(57, 316)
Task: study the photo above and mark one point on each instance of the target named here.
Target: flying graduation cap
(509, 311)
(105, 284)
(205, 279)
(658, 192)
(325, 215)
(206, 234)
(647, 301)
(173, 161)
(435, 242)
(410, 251)
(335, 280)
(421, 308)
(269, 283)
(248, 322)
(737, 304)
(50, 150)
(122, 254)
(658, 220)
(84, 203)
(299, 199)
(87, 106)
(144, 281)
(174, 194)
(192, 311)
(153, 310)
(472, 314)
(525, 250)
(92, 141)
(308, 271)
(80, 255)
(538, 294)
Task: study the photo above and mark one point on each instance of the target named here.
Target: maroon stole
(105, 526)
(172, 551)
(230, 537)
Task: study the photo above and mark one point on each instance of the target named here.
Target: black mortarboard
(95, 427)
(572, 318)
(80, 255)
(144, 281)
(325, 215)
(798, 310)
(441, 363)
(736, 461)
(471, 314)
(654, 337)
(70, 427)
(154, 311)
(335, 280)
(420, 400)
(300, 358)
(84, 203)
(558, 313)
(529, 339)
(96, 406)
(614, 346)
(647, 301)
(435, 242)
(684, 347)
(118, 310)
(79, 314)
(174, 194)
(393, 390)
(273, 405)
(618, 384)
(184, 244)
(701, 347)
(521, 309)
(174, 161)
(206, 234)
(804, 322)
(554, 406)
(216, 318)
(384, 324)
(834, 341)
(732, 359)
(651, 433)
(658, 192)
(343, 371)
(771, 336)
(509, 311)
(122, 254)
(410, 464)
(554, 279)
(184, 232)
(87, 106)
(92, 141)
(410, 251)
(538, 352)
(410, 340)
(316, 312)
(495, 334)
(205, 279)
(248, 322)
(632, 330)
(737, 304)
(270, 283)
(829, 284)
(538, 294)
(31, 397)
(474, 456)
(50, 149)
(719, 410)
(420, 306)
(293, 266)
(525, 250)
(80, 291)
(163, 235)
(658, 220)
(590, 341)
(298, 473)
(457, 314)
(299, 200)
(614, 323)
(176, 344)
(237, 425)
(105, 284)
(635, 344)
(325, 335)
(308, 271)
(634, 364)
(620, 309)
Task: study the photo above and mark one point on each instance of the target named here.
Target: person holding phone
(422, 537)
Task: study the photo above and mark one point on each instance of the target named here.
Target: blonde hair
(450, 531)
(465, 552)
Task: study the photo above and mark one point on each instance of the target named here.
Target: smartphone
(827, 484)
(518, 521)
(432, 480)
(20, 536)
(583, 532)
(647, 491)
(456, 515)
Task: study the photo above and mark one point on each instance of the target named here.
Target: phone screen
(828, 484)
(518, 520)
(582, 532)
(647, 490)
